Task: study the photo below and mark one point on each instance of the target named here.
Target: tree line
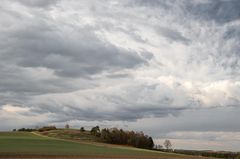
(216, 154)
(119, 136)
(45, 128)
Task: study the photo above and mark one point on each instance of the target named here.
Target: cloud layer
(121, 62)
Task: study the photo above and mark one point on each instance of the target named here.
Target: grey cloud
(221, 11)
(117, 76)
(37, 42)
(232, 33)
(147, 55)
(133, 33)
(14, 98)
(38, 3)
(20, 81)
(223, 119)
(81, 59)
(40, 45)
(136, 103)
(196, 120)
(69, 112)
(14, 81)
(152, 3)
(172, 35)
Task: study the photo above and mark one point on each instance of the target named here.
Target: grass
(15, 144)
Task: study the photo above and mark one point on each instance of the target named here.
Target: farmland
(30, 145)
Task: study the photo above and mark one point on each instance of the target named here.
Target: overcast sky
(169, 68)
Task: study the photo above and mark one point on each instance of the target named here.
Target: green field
(29, 145)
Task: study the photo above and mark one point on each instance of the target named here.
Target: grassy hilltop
(33, 145)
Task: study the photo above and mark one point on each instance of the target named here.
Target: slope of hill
(30, 145)
(72, 134)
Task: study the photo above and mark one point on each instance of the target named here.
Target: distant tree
(14, 130)
(26, 129)
(67, 126)
(96, 131)
(150, 143)
(82, 129)
(105, 135)
(167, 143)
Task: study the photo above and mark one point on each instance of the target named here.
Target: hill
(31, 145)
(72, 134)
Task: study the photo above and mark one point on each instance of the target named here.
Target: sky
(169, 68)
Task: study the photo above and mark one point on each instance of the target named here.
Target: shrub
(47, 128)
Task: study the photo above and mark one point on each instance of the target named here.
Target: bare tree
(167, 143)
